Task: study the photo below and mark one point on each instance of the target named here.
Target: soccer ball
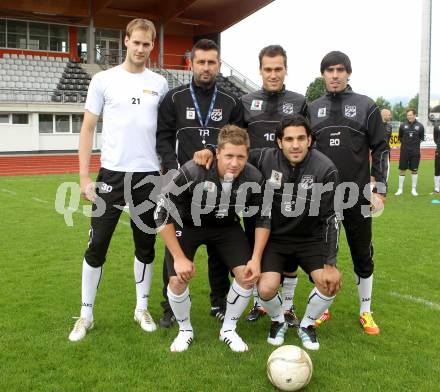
(289, 368)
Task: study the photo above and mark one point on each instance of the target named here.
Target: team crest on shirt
(209, 186)
(350, 111)
(257, 104)
(416, 127)
(306, 181)
(276, 177)
(287, 107)
(190, 114)
(217, 115)
(322, 112)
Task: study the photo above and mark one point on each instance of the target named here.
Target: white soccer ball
(289, 368)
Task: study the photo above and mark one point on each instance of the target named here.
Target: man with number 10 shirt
(263, 111)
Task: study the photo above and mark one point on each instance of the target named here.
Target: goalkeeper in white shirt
(128, 97)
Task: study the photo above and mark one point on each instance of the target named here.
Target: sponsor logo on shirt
(322, 112)
(287, 107)
(257, 104)
(276, 177)
(217, 114)
(190, 114)
(151, 92)
(306, 181)
(350, 111)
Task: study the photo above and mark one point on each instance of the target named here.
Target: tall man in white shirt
(128, 95)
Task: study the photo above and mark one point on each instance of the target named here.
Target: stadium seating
(73, 84)
(27, 78)
(230, 86)
(177, 77)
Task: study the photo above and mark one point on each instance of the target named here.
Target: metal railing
(62, 96)
(238, 78)
(17, 95)
(175, 82)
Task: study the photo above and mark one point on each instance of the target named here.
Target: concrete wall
(27, 138)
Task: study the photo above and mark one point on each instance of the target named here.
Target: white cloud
(381, 37)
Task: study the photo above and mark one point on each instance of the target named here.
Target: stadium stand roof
(204, 16)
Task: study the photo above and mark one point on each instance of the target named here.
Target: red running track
(18, 165)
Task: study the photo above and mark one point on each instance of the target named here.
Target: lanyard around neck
(203, 123)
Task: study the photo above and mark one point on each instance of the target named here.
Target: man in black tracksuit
(347, 127)
(386, 119)
(200, 206)
(411, 134)
(436, 133)
(299, 192)
(263, 110)
(191, 116)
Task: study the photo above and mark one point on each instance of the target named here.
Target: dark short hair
(233, 134)
(294, 120)
(272, 51)
(411, 110)
(205, 44)
(335, 58)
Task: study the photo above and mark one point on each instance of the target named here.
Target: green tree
(399, 113)
(414, 103)
(382, 103)
(315, 90)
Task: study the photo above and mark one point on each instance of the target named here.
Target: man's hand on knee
(184, 268)
(329, 280)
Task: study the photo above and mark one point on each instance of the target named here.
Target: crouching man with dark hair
(301, 184)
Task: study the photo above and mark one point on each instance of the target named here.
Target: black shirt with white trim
(179, 133)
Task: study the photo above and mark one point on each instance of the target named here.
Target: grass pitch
(40, 280)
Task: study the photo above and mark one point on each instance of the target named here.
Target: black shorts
(249, 228)
(112, 199)
(228, 244)
(281, 256)
(409, 160)
(437, 163)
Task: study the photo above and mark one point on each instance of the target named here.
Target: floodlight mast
(425, 65)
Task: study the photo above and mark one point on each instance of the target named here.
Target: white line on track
(8, 191)
(39, 200)
(416, 299)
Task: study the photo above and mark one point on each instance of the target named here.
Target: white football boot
(79, 331)
(233, 340)
(143, 317)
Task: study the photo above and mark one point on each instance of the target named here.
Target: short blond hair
(234, 135)
(142, 24)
